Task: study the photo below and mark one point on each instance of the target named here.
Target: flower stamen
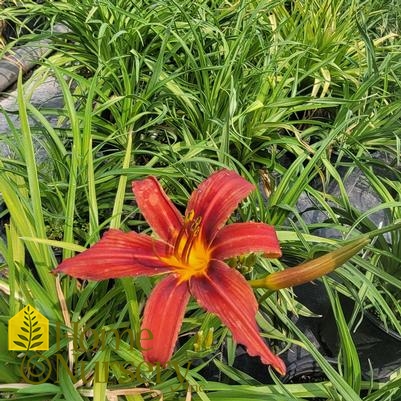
(188, 224)
(194, 230)
(180, 236)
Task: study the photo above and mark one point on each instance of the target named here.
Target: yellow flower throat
(190, 256)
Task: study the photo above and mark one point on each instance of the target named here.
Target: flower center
(190, 256)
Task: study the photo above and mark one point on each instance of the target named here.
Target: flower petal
(158, 210)
(240, 238)
(216, 198)
(226, 293)
(163, 316)
(118, 254)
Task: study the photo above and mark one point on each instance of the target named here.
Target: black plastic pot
(24, 57)
(379, 350)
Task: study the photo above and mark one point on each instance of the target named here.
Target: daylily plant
(190, 250)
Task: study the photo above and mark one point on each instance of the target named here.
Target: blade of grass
(75, 161)
(43, 261)
(349, 353)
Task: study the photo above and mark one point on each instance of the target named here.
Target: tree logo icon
(28, 330)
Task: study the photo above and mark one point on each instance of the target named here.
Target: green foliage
(305, 93)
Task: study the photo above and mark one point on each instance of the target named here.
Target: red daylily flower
(190, 250)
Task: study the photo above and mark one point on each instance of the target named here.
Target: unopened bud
(312, 269)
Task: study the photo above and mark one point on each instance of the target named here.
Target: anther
(189, 217)
(195, 224)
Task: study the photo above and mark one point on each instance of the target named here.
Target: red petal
(118, 254)
(163, 316)
(216, 198)
(157, 208)
(226, 293)
(240, 238)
